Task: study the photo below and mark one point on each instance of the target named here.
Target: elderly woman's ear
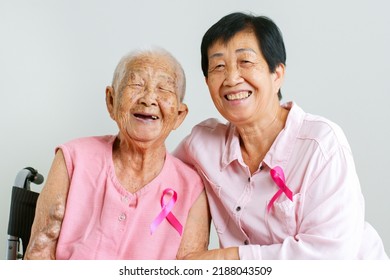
(110, 100)
(181, 114)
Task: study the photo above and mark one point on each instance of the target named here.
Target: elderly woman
(124, 196)
(281, 183)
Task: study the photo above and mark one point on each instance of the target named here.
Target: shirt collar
(280, 150)
(232, 150)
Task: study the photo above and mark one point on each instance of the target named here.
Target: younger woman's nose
(232, 76)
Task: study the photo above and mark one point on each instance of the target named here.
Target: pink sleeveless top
(104, 221)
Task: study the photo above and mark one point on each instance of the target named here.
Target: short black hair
(268, 35)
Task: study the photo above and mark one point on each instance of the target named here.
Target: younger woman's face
(239, 80)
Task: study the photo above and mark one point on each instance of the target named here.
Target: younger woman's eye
(246, 63)
(218, 67)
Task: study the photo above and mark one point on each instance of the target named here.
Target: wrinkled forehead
(152, 66)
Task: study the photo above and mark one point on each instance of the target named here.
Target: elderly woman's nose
(149, 97)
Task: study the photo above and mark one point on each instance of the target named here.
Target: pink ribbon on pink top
(166, 213)
(277, 175)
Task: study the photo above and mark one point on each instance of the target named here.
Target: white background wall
(56, 57)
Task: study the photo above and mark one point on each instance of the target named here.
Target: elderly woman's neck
(137, 164)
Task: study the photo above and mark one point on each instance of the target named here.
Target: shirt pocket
(283, 217)
(217, 204)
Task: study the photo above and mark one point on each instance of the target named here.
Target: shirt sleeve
(68, 158)
(250, 252)
(330, 221)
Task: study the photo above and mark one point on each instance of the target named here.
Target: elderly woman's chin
(148, 132)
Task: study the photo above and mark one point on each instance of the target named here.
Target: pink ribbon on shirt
(277, 175)
(166, 213)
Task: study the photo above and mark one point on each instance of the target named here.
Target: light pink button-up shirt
(325, 219)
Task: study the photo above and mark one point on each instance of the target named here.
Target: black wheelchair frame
(22, 212)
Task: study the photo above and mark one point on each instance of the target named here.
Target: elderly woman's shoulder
(91, 141)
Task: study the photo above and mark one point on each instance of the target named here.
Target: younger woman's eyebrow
(245, 50)
(215, 55)
(237, 51)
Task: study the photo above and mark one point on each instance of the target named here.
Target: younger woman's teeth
(240, 95)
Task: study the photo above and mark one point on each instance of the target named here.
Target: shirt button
(122, 217)
(246, 242)
(238, 208)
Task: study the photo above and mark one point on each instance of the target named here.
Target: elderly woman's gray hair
(120, 73)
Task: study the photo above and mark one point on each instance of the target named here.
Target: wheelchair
(22, 212)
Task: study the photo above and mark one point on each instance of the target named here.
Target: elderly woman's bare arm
(50, 211)
(194, 245)
(197, 228)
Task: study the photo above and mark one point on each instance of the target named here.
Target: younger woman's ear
(279, 76)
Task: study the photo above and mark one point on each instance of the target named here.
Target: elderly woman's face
(239, 79)
(148, 107)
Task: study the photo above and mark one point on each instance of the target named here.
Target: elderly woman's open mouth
(146, 116)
